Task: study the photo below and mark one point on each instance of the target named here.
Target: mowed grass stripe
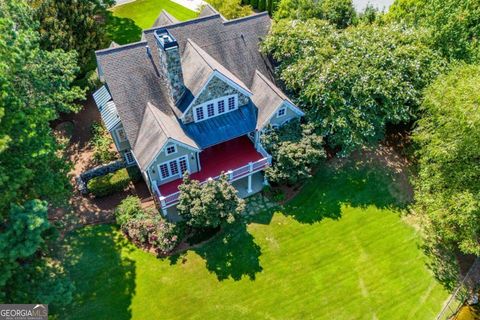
(340, 250)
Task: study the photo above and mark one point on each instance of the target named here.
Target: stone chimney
(170, 63)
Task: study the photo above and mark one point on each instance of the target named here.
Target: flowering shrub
(153, 233)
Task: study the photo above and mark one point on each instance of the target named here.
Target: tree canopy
(73, 25)
(210, 204)
(454, 25)
(338, 12)
(35, 86)
(295, 150)
(448, 184)
(355, 81)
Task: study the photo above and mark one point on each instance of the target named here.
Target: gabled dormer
(211, 90)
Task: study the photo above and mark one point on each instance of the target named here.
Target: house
(193, 96)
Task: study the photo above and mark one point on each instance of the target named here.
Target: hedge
(112, 182)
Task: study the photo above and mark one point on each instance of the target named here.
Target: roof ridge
(252, 16)
(271, 85)
(121, 47)
(169, 16)
(182, 23)
(196, 47)
(159, 122)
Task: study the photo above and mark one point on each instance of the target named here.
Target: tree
(35, 86)
(454, 25)
(447, 190)
(270, 5)
(210, 204)
(352, 83)
(231, 9)
(295, 150)
(338, 12)
(73, 25)
(262, 4)
(26, 273)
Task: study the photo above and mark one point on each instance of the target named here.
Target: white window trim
(168, 146)
(126, 157)
(215, 107)
(170, 175)
(283, 115)
(119, 138)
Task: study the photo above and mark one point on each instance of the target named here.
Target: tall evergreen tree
(262, 5)
(73, 25)
(35, 86)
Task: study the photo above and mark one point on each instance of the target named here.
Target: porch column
(162, 205)
(265, 181)
(249, 190)
(250, 169)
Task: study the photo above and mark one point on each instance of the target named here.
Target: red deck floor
(222, 157)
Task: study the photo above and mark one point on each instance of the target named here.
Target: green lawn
(338, 251)
(127, 21)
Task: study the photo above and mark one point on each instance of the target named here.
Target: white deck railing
(238, 173)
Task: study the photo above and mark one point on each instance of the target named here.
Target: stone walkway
(258, 203)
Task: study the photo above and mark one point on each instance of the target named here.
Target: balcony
(238, 158)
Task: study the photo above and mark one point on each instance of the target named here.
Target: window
(210, 110)
(231, 103)
(164, 171)
(129, 159)
(221, 106)
(281, 112)
(121, 136)
(170, 150)
(215, 107)
(199, 113)
(173, 168)
(183, 165)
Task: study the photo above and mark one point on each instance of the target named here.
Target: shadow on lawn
(122, 30)
(356, 184)
(104, 280)
(233, 253)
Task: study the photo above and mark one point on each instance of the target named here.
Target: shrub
(153, 233)
(211, 204)
(295, 150)
(274, 194)
(101, 142)
(110, 183)
(128, 209)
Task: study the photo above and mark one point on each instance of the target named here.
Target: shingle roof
(234, 43)
(163, 19)
(197, 67)
(139, 88)
(155, 129)
(267, 97)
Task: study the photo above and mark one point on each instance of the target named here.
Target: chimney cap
(165, 39)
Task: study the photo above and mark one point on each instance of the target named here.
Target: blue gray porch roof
(223, 128)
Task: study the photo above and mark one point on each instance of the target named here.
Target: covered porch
(238, 158)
